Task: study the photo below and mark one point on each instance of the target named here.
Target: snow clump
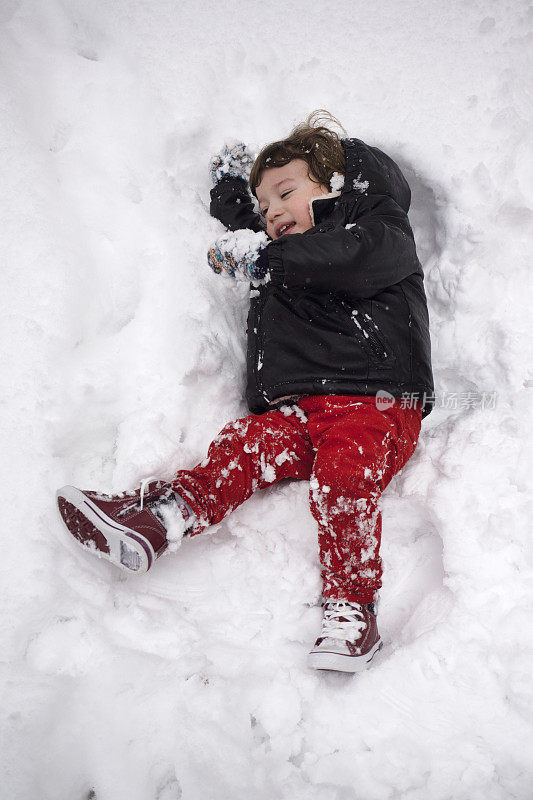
(243, 246)
(337, 182)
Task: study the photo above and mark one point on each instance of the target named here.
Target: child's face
(284, 194)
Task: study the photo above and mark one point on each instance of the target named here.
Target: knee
(347, 475)
(250, 433)
(240, 429)
(343, 498)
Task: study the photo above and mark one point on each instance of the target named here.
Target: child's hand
(234, 159)
(239, 254)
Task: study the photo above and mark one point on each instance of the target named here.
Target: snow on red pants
(347, 449)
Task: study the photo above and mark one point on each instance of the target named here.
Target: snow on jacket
(345, 311)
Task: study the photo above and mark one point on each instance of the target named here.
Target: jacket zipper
(259, 349)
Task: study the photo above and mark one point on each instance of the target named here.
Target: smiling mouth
(285, 228)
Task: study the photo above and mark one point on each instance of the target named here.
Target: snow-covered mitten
(234, 160)
(241, 254)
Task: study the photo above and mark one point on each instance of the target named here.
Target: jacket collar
(319, 204)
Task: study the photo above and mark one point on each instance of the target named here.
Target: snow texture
(234, 159)
(337, 182)
(123, 356)
(244, 247)
(360, 185)
(174, 523)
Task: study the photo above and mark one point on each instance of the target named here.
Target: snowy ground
(123, 356)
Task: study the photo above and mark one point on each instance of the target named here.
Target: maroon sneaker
(128, 528)
(349, 639)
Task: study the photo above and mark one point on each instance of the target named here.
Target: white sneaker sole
(342, 662)
(100, 535)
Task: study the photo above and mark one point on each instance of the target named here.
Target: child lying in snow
(337, 337)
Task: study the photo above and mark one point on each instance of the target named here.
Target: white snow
(233, 158)
(123, 356)
(337, 182)
(175, 526)
(244, 247)
(360, 184)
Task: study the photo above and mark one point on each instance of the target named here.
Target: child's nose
(274, 211)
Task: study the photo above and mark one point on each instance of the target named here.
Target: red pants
(348, 450)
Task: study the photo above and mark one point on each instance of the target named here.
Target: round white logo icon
(384, 400)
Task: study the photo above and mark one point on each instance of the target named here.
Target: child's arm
(231, 202)
(375, 250)
(232, 205)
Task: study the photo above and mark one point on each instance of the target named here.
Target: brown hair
(310, 141)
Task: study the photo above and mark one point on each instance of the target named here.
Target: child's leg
(133, 528)
(359, 450)
(249, 454)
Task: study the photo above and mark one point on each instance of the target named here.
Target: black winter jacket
(345, 310)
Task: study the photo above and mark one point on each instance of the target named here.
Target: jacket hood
(370, 171)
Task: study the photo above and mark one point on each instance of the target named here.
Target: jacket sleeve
(360, 260)
(232, 204)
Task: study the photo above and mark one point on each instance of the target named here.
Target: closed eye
(284, 194)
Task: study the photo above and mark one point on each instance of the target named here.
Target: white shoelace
(347, 628)
(144, 483)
